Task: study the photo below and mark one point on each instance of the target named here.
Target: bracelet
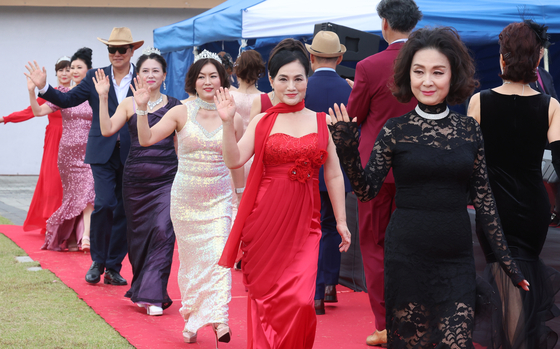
(141, 112)
(239, 190)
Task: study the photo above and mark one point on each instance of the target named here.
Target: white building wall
(45, 34)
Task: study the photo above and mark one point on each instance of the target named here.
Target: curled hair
(402, 15)
(153, 56)
(84, 54)
(196, 67)
(287, 51)
(520, 48)
(62, 64)
(446, 41)
(249, 66)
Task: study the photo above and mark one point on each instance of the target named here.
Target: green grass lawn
(39, 311)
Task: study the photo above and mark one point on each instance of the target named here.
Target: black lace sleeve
(365, 182)
(485, 206)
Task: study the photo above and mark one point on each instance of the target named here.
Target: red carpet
(346, 324)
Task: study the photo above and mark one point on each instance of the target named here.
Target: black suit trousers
(108, 220)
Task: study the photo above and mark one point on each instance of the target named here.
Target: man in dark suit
(106, 155)
(373, 104)
(325, 88)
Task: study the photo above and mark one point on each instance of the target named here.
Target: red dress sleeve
(22, 115)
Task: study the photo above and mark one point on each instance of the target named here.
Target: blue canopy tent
(260, 24)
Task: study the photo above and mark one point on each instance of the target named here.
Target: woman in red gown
(278, 222)
(47, 196)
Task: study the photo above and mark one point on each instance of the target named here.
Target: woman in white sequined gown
(201, 198)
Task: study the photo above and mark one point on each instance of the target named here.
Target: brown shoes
(377, 338)
(319, 307)
(330, 294)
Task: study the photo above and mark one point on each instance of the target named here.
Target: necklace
(152, 105)
(512, 82)
(432, 116)
(205, 105)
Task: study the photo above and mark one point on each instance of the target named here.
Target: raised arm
(109, 125)
(335, 186)
(235, 153)
(72, 98)
(485, 206)
(22, 115)
(238, 174)
(38, 110)
(367, 182)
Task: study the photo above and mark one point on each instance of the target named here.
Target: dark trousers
(374, 218)
(108, 221)
(328, 267)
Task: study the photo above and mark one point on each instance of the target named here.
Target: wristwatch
(141, 112)
(239, 190)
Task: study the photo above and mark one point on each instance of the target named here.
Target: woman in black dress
(516, 122)
(437, 156)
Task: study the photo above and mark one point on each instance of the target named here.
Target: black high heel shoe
(222, 332)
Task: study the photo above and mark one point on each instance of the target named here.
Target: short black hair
(154, 56)
(84, 54)
(445, 40)
(402, 15)
(196, 67)
(287, 51)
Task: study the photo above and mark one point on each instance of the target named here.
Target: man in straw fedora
(106, 155)
(324, 88)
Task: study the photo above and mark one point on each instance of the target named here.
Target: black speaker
(359, 45)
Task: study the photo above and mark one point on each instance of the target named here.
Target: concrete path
(15, 196)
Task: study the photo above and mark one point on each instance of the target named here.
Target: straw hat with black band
(326, 44)
(121, 37)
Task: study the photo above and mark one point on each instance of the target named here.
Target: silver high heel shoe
(189, 337)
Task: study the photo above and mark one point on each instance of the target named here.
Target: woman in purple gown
(68, 227)
(147, 179)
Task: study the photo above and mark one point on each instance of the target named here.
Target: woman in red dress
(48, 192)
(278, 222)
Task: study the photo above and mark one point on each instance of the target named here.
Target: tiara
(207, 54)
(151, 50)
(63, 58)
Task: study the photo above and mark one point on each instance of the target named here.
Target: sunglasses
(120, 49)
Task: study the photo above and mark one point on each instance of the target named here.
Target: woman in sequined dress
(201, 203)
(147, 179)
(47, 196)
(278, 223)
(68, 227)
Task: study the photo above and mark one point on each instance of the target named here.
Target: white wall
(45, 34)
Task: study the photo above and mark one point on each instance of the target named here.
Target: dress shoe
(554, 219)
(377, 338)
(319, 307)
(93, 275)
(114, 278)
(223, 333)
(189, 337)
(330, 294)
(154, 310)
(85, 244)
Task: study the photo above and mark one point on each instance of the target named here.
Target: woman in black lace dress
(516, 122)
(437, 156)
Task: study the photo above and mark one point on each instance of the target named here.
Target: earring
(197, 95)
(164, 86)
(273, 95)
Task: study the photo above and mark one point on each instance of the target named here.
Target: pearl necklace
(205, 105)
(152, 105)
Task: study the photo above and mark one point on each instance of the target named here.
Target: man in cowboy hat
(106, 155)
(325, 88)
(373, 104)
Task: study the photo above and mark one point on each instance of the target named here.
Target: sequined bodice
(76, 121)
